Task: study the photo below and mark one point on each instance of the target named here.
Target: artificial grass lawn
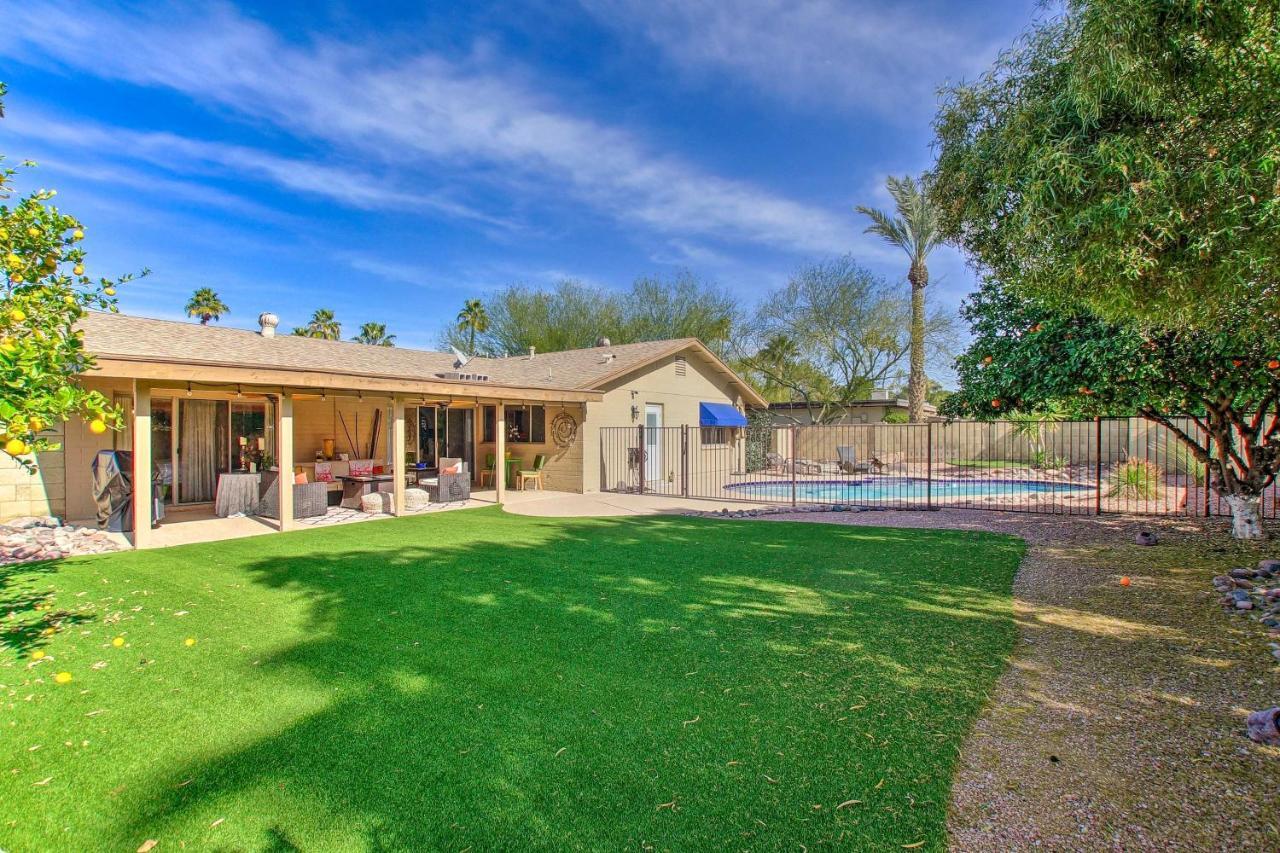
(482, 680)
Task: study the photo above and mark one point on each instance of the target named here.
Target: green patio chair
(535, 475)
(490, 469)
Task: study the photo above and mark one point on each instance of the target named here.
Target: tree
(1124, 156)
(834, 333)
(1033, 357)
(321, 325)
(915, 231)
(574, 315)
(472, 319)
(45, 290)
(685, 307)
(206, 305)
(375, 334)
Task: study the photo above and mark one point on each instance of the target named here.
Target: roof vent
(880, 394)
(267, 323)
(603, 342)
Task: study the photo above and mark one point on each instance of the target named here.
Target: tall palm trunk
(919, 277)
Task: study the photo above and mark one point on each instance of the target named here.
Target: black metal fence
(1106, 465)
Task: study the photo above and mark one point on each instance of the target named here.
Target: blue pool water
(873, 489)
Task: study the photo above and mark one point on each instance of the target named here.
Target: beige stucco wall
(563, 470)
(62, 486)
(660, 383)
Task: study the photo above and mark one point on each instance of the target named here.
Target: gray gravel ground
(1119, 723)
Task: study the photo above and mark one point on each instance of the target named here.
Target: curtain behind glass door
(200, 448)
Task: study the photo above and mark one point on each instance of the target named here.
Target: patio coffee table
(354, 488)
(237, 494)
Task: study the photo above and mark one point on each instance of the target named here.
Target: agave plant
(1135, 479)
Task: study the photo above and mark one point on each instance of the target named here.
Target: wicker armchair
(309, 499)
(448, 487)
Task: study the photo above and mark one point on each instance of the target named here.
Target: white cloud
(414, 117)
(831, 54)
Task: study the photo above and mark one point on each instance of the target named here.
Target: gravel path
(1119, 724)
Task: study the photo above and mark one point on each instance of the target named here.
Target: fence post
(928, 462)
(794, 448)
(642, 454)
(684, 460)
(1097, 465)
(1208, 446)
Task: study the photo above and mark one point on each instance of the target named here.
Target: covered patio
(207, 430)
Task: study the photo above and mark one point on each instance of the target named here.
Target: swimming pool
(872, 489)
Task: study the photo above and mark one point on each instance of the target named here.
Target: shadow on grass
(499, 680)
(27, 615)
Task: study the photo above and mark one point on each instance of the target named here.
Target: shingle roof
(121, 336)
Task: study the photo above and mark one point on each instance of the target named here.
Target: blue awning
(720, 415)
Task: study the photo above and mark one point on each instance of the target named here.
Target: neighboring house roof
(892, 402)
(124, 337)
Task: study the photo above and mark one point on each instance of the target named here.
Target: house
(205, 401)
(869, 411)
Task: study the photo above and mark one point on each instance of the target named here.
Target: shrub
(895, 416)
(1135, 479)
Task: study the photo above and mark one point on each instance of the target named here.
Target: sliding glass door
(446, 433)
(212, 437)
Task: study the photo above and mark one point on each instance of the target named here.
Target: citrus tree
(1028, 358)
(44, 292)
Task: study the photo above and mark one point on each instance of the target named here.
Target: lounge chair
(849, 463)
(780, 464)
(534, 475)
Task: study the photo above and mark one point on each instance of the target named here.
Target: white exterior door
(652, 442)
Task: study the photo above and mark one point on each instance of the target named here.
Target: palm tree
(375, 334)
(206, 305)
(322, 325)
(472, 319)
(915, 231)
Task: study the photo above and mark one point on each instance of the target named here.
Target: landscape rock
(1146, 537)
(1264, 726)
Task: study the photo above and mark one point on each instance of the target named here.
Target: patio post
(141, 428)
(397, 456)
(500, 451)
(284, 437)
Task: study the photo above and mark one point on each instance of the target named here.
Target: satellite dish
(460, 359)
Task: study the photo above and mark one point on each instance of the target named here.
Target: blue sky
(390, 159)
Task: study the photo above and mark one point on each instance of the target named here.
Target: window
(526, 424)
(717, 435)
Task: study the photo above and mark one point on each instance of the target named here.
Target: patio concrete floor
(199, 524)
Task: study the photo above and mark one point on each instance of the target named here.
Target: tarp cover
(720, 415)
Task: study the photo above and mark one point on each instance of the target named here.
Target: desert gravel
(1119, 722)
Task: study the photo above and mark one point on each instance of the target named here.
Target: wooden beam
(397, 456)
(141, 429)
(219, 377)
(500, 451)
(284, 438)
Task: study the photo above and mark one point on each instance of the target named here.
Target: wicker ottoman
(416, 499)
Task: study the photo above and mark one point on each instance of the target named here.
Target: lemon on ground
(15, 447)
(63, 678)
(38, 654)
(97, 426)
(190, 641)
(118, 642)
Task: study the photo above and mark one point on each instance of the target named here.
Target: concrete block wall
(42, 493)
